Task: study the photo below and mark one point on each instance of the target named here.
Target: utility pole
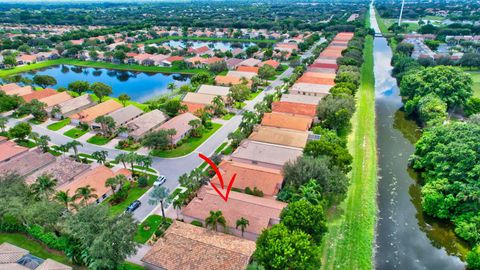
(401, 13)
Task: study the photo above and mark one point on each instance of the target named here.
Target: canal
(405, 238)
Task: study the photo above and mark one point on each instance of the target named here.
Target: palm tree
(146, 162)
(177, 205)
(42, 142)
(195, 124)
(216, 218)
(158, 195)
(56, 110)
(3, 123)
(44, 186)
(111, 183)
(85, 193)
(122, 158)
(74, 145)
(132, 158)
(218, 105)
(65, 199)
(171, 86)
(100, 156)
(242, 223)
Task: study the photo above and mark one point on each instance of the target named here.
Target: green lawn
(133, 194)
(35, 248)
(75, 133)
(239, 105)
(35, 121)
(99, 140)
(228, 116)
(159, 40)
(26, 143)
(476, 83)
(381, 23)
(130, 266)
(147, 228)
(187, 147)
(59, 125)
(220, 148)
(349, 241)
(253, 95)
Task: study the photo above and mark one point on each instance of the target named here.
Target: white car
(160, 180)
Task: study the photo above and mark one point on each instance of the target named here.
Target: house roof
(56, 99)
(294, 108)
(64, 169)
(89, 114)
(260, 212)
(50, 264)
(233, 62)
(283, 120)
(280, 136)
(319, 75)
(199, 98)
(271, 63)
(146, 122)
(15, 89)
(250, 62)
(125, 114)
(268, 180)
(9, 149)
(324, 70)
(214, 90)
(187, 247)
(180, 124)
(10, 253)
(305, 99)
(74, 104)
(193, 107)
(240, 74)
(172, 59)
(27, 163)
(266, 153)
(248, 69)
(39, 94)
(315, 80)
(322, 60)
(312, 88)
(227, 80)
(9, 87)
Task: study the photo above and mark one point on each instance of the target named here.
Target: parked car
(160, 180)
(133, 206)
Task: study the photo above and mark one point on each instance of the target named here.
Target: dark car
(133, 206)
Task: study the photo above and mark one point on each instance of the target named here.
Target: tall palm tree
(171, 86)
(177, 205)
(158, 195)
(74, 145)
(242, 223)
(112, 183)
(3, 123)
(132, 158)
(123, 158)
(85, 193)
(100, 156)
(216, 218)
(65, 199)
(44, 186)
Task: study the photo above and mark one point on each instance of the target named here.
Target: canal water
(140, 86)
(405, 238)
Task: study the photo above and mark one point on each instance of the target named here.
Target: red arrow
(220, 178)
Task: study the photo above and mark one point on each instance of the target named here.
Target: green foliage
(334, 112)
(79, 87)
(432, 110)
(239, 93)
(159, 139)
(201, 78)
(44, 80)
(8, 103)
(404, 48)
(307, 217)
(142, 181)
(472, 106)
(101, 90)
(330, 147)
(20, 131)
(173, 106)
(473, 258)
(197, 223)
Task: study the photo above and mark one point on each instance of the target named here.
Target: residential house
(316, 80)
(265, 154)
(138, 127)
(56, 99)
(251, 62)
(310, 89)
(233, 63)
(248, 69)
(26, 59)
(261, 213)
(39, 94)
(181, 124)
(123, 116)
(169, 61)
(188, 247)
(9, 150)
(214, 90)
(267, 180)
(16, 258)
(196, 101)
(279, 136)
(15, 89)
(63, 168)
(89, 115)
(229, 80)
(27, 162)
(272, 63)
(294, 108)
(284, 120)
(73, 106)
(242, 74)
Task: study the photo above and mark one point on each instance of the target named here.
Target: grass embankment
(476, 82)
(95, 64)
(188, 146)
(381, 23)
(349, 241)
(211, 39)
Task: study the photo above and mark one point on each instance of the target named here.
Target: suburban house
(214, 90)
(9, 150)
(316, 80)
(73, 106)
(16, 258)
(280, 136)
(27, 162)
(64, 169)
(294, 108)
(229, 80)
(233, 63)
(26, 59)
(248, 69)
(272, 63)
(240, 74)
(39, 94)
(284, 120)
(169, 61)
(265, 154)
(301, 98)
(261, 213)
(310, 89)
(324, 70)
(251, 62)
(188, 247)
(319, 75)
(122, 116)
(143, 124)
(15, 89)
(325, 63)
(269, 181)
(197, 101)
(89, 115)
(95, 177)
(180, 124)
(56, 99)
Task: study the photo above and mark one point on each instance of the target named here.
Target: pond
(223, 46)
(140, 86)
(406, 238)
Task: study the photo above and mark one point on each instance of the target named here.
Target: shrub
(142, 181)
(48, 238)
(197, 223)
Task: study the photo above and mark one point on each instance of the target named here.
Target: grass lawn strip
(151, 224)
(228, 116)
(189, 146)
(99, 140)
(59, 125)
(349, 242)
(476, 83)
(75, 133)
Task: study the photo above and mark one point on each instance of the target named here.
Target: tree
(238, 93)
(472, 106)
(405, 48)
(79, 87)
(100, 156)
(450, 84)
(107, 124)
(339, 155)
(56, 110)
(44, 80)
(93, 54)
(43, 187)
(8, 103)
(218, 106)
(432, 110)
(471, 60)
(242, 223)
(42, 143)
(116, 182)
(65, 199)
(279, 248)
(35, 108)
(3, 123)
(216, 218)
(473, 258)
(74, 146)
(157, 139)
(201, 78)
(304, 216)
(173, 106)
(218, 67)
(101, 90)
(124, 98)
(196, 125)
(20, 131)
(158, 195)
(335, 112)
(10, 61)
(265, 72)
(85, 194)
(122, 158)
(119, 55)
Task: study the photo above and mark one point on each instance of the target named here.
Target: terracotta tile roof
(9, 149)
(172, 59)
(269, 181)
(315, 80)
(250, 62)
(271, 63)
(228, 80)
(15, 89)
(39, 94)
(180, 124)
(324, 65)
(319, 75)
(193, 107)
(300, 98)
(187, 247)
(50, 264)
(89, 115)
(240, 74)
(260, 212)
(294, 108)
(27, 163)
(212, 60)
(280, 136)
(56, 99)
(198, 98)
(64, 169)
(283, 120)
(324, 70)
(248, 69)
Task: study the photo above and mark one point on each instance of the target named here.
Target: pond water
(223, 46)
(405, 237)
(140, 86)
